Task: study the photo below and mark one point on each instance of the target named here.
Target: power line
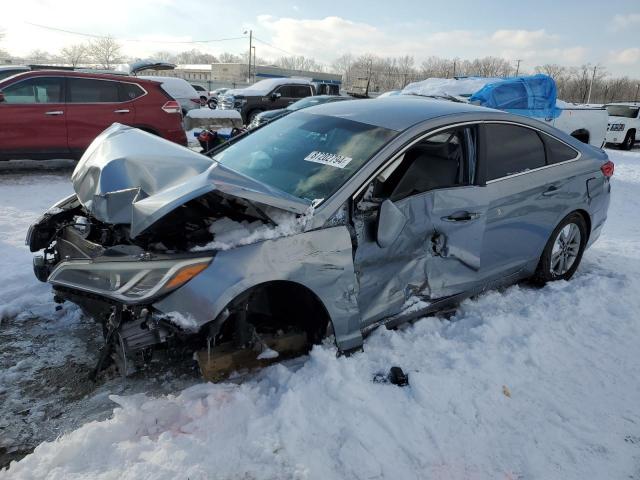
(90, 35)
(273, 46)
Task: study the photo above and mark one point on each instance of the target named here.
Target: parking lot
(536, 368)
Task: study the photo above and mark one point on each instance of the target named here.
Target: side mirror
(275, 96)
(391, 222)
(1, 96)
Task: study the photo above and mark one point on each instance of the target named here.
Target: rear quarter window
(557, 151)
(511, 149)
(130, 91)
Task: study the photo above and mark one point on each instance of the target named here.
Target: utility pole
(518, 66)
(591, 83)
(250, 51)
(254, 64)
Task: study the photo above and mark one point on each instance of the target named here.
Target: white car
(624, 124)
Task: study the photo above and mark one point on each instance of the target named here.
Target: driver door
(431, 189)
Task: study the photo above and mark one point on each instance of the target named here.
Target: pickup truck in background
(272, 94)
(624, 124)
(532, 96)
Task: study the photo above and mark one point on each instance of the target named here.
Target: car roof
(73, 73)
(396, 113)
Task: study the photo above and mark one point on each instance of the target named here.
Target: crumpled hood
(128, 176)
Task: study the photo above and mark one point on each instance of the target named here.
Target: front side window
(443, 160)
(511, 149)
(89, 90)
(285, 91)
(306, 155)
(35, 90)
(301, 91)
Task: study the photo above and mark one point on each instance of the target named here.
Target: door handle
(55, 112)
(124, 110)
(461, 217)
(552, 190)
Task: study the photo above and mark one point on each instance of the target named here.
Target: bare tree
(227, 57)
(195, 57)
(105, 52)
(75, 54)
(298, 62)
(39, 56)
(164, 56)
(3, 54)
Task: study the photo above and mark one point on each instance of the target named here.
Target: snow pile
(524, 383)
(230, 234)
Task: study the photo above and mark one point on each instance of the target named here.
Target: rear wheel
(563, 252)
(252, 115)
(629, 140)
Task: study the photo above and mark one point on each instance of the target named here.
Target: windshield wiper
(443, 97)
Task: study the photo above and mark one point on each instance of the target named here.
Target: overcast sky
(569, 32)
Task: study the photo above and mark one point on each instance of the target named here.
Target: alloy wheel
(565, 249)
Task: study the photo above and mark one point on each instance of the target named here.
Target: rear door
(33, 118)
(524, 196)
(93, 105)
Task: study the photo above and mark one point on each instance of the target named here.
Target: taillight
(172, 107)
(195, 100)
(607, 168)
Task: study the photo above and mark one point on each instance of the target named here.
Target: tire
(212, 104)
(565, 255)
(629, 140)
(252, 114)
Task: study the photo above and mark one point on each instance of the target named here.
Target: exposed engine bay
(134, 232)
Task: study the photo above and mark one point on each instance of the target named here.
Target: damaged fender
(320, 260)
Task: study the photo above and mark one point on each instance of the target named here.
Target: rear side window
(35, 90)
(511, 149)
(130, 91)
(88, 90)
(557, 151)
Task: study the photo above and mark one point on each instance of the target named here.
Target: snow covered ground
(523, 383)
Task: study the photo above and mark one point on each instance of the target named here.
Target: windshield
(622, 111)
(306, 155)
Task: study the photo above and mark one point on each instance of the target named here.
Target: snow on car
(532, 96)
(520, 383)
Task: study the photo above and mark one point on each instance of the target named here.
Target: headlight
(128, 281)
(616, 127)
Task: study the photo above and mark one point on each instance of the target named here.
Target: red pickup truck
(57, 114)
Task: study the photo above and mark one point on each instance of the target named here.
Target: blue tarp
(532, 96)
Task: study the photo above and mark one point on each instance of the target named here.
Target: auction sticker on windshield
(333, 159)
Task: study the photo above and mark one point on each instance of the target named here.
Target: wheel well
(581, 134)
(587, 220)
(278, 305)
(631, 130)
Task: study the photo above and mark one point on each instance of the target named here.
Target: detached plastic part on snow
(532, 96)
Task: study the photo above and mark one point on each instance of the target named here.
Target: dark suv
(57, 114)
(269, 94)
